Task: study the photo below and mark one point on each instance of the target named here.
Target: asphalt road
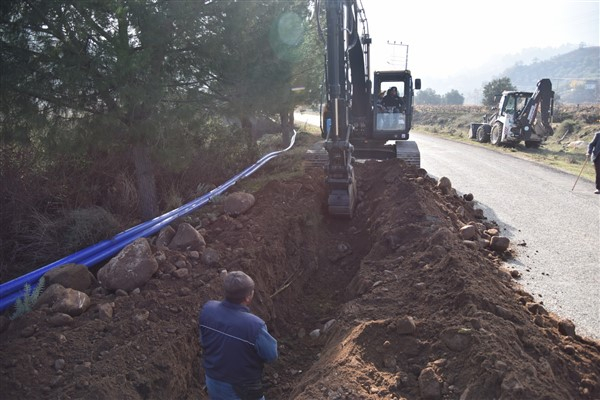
(555, 231)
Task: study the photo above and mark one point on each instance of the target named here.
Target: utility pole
(406, 55)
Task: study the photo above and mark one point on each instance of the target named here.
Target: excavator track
(316, 156)
(408, 151)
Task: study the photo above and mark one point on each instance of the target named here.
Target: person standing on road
(594, 154)
(235, 343)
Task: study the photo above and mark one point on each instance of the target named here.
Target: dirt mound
(392, 304)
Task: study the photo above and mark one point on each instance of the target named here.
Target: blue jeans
(218, 390)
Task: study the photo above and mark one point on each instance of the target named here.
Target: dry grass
(565, 150)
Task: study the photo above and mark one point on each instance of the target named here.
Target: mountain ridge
(575, 74)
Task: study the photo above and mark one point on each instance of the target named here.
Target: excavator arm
(347, 98)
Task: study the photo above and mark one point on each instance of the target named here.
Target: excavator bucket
(341, 202)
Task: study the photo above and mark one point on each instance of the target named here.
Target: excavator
(357, 120)
(520, 116)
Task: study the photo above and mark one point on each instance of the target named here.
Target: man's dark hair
(237, 286)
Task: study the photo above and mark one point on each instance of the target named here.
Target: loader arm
(540, 102)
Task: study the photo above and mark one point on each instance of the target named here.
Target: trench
(399, 258)
(308, 267)
(316, 306)
(329, 254)
(308, 303)
(323, 258)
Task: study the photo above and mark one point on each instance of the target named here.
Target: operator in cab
(392, 101)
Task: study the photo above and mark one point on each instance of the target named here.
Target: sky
(447, 37)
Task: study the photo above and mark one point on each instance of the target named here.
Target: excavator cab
(392, 119)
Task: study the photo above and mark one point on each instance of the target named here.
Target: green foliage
(493, 89)
(83, 83)
(453, 97)
(44, 238)
(269, 63)
(567, 126)
(83, 227)
(428, 96)
(30, 297)
(203, 188)
(218, 199)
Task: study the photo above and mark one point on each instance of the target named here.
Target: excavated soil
(405, 309)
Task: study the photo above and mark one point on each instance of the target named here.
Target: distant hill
(575, 75)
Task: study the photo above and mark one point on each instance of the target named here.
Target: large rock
(72, 302)
(566, 327)
(51, 295)
(443, 237)
(164, 238)
(468, 232)
(187, 238)
(74, 276)
(211, 257)
(430, 384)
(130, 269)
(445, 185)
(499, 243)
(405, 326)
(60, 319)
(456, 339)
(238, 203)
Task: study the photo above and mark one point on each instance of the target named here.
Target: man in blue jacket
(594, 154)
(235, 343)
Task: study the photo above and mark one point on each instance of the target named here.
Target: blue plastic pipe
(92, 255)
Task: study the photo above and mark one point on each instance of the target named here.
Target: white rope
(226, 334)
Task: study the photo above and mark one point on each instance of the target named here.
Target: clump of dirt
(391, 304)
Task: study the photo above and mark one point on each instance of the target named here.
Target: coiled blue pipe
(90, 256)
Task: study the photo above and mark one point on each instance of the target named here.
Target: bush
(43, 238)
(567, 126)
(30, 297)
(83, 227)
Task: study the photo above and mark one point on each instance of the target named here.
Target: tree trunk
(247, 133)
(145, 182)
(287, 126)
